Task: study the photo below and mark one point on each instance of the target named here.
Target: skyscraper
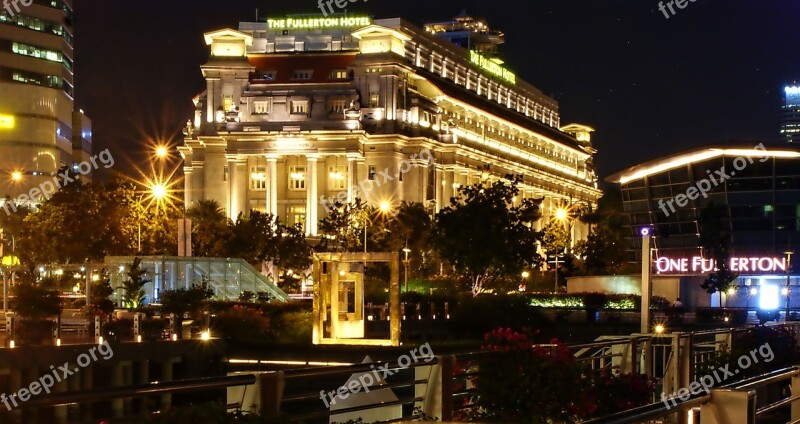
(40, 129)
(790, 122)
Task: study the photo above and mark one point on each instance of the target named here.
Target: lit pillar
(187, 187)
(647, 284)
(351, 178)
(238, 197)
(438, 189)
(312, 200)
(272, 185)
(449, 189)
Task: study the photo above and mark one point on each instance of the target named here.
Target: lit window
(374, 100)
(297, 178)
(337, 106)
(299, 107)
(337, 177)
(262, 107)
(339, 74)
(258, 178)
(297, 215)
(225, 173)
(227, 103)
(372, 172)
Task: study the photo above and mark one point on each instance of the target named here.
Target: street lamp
(158, 191)
(384, 207)
(786, 293)
(161, 152)
(16, 176)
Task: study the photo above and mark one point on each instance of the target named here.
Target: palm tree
(210, 228)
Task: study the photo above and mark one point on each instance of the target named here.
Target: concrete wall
(687, 288)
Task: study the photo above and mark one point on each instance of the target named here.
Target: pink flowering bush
(523, 382)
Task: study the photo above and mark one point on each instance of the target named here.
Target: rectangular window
(38, 52)
(297, 178)
(374, 100)
(302, 75)
(262, 107)
(227, 103)
(225, 173)
(372, 172)
(339, 74)
(297, 215)
(258, 178)
(337, 106)
(337, 177)
(299, 107)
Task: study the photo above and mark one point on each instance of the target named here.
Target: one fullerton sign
(699, 264)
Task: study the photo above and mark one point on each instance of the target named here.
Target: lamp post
(787, 290)
(406, 262)
(158, 191)
(562, 215)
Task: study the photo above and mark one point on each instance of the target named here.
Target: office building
(41, 130)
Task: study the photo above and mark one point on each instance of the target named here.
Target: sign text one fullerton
(699, 264)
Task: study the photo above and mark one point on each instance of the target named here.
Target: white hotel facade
(299, 109)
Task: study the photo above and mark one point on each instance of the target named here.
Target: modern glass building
(759, 187)
(790, 117)
(41, 130)
(228, 277)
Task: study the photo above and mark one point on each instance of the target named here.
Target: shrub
(474, 316)
(241, 324)
(521, 382)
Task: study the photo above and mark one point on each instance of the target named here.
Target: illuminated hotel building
(790, 120)
(40, 129)
(760, 189)
(299, 109)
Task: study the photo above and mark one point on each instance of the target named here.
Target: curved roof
(666, 163)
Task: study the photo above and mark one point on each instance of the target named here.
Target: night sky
(649, 85)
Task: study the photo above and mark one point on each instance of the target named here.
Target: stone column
(312, 195)
(351, 178)
(272, 184)
(238, 189)
(187, 187)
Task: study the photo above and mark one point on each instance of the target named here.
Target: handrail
(196, 384)
(660, 409)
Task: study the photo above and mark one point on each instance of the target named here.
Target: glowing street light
(659, 329)
(159, 191)
(385, 206)
(16, 176)
(561, 214)
(161, 152)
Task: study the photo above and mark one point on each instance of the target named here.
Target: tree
(484, 236)
(291, 255)
(342, 227)
(183, 300)
(210, 229)
(253, 237)
(36, 302)
(605, 250)
(715, 240)
(100, 302)
(133, 288)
